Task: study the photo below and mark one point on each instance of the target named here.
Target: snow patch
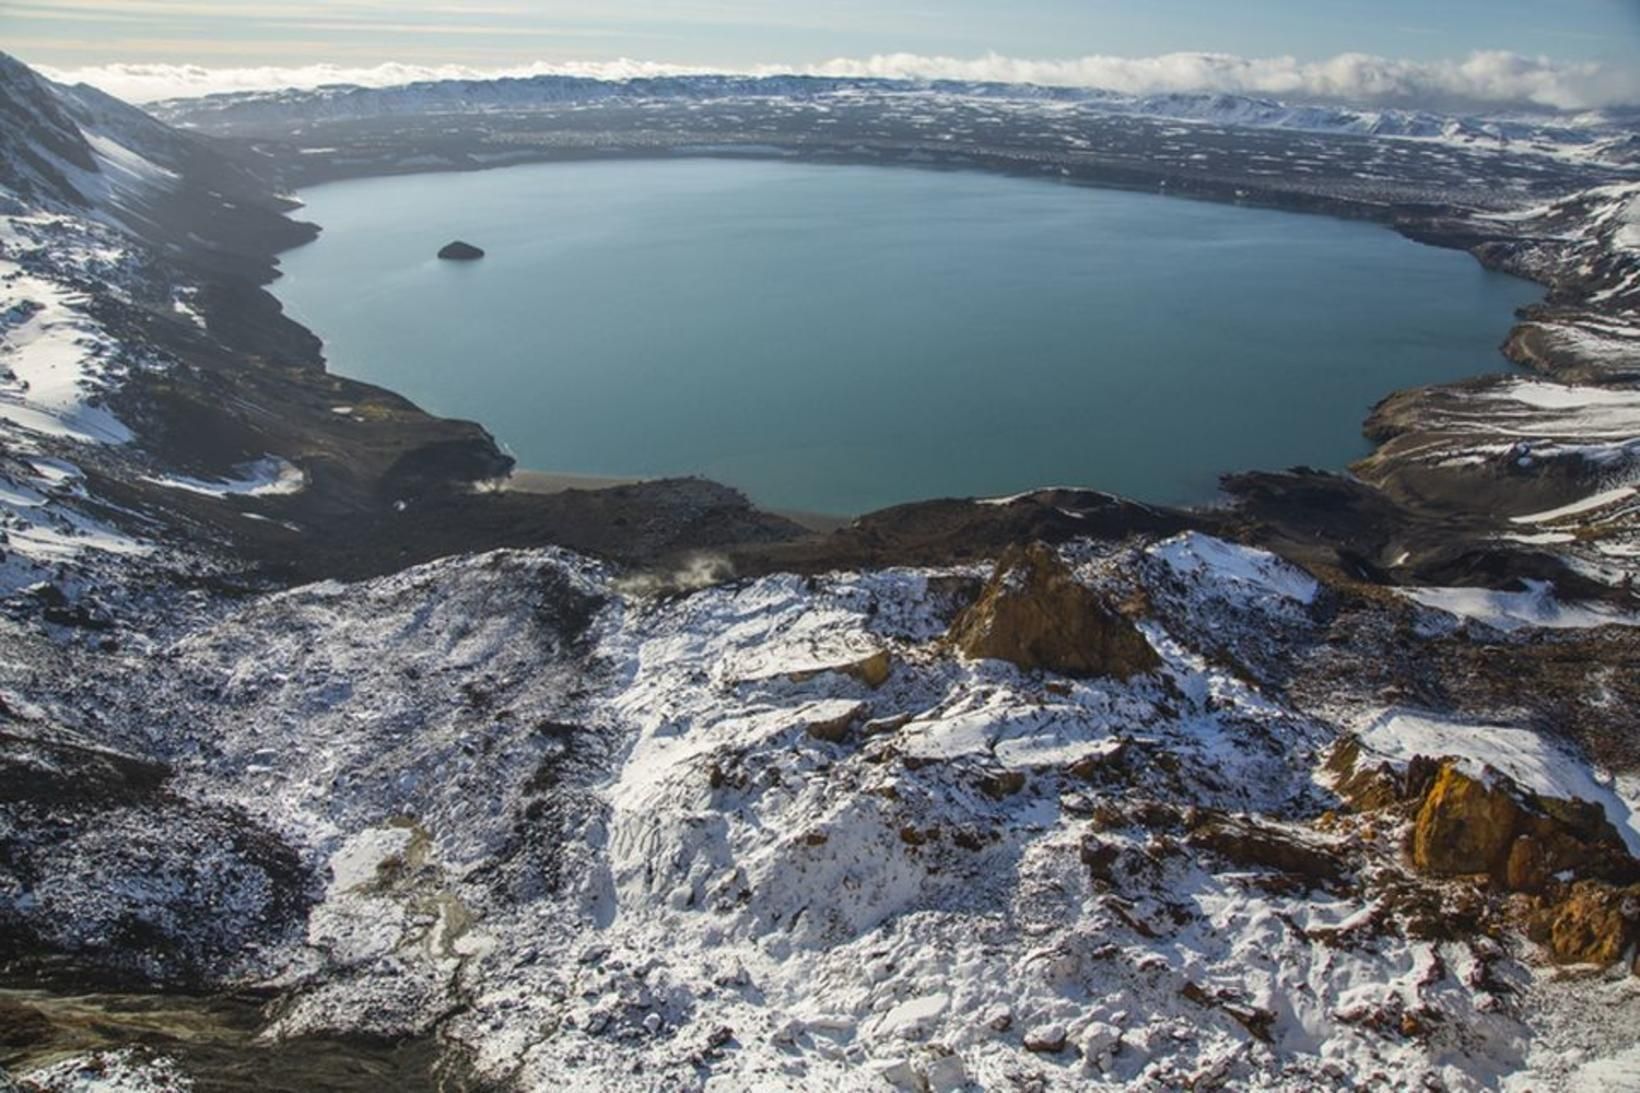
(1577, 508)
(1251, 572)
(1535, 606)
(269, 476)
(55, 361)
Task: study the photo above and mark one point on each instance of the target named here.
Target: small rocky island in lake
(460, 252)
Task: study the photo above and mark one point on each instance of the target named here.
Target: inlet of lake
(841, 338)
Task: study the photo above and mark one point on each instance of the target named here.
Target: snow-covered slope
(58, 365)
(776, 835)
(75, 193)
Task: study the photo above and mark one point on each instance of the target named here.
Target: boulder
(1046, 1039)
(1465, 825)
(457, 251)
(1469, 825)
(944, 1072)
(1594, 924)
(1098, 1042)
(835, 728)
(1034, 613)
(872, 670)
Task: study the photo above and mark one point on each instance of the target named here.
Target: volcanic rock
(1035, 613)
(1468, 825)
(1244, 842)
(1465, 825)
(1594, 924)
(1046, 1039)
(458, 251)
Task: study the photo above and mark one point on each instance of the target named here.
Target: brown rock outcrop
(1036, 614)
(1563, 853)
(1464, 825)
(1594, 924)
(1489, 825)
(1245, 842)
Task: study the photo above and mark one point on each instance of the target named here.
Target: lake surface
(842, 338)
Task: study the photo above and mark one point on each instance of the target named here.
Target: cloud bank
(1483, 79)
(1492, 77)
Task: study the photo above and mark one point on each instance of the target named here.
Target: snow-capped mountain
(1589, 134)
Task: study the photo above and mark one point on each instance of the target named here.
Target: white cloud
(1487, 78)
(152, 82)
(1490, 77)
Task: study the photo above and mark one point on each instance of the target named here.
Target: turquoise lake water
(843, 338)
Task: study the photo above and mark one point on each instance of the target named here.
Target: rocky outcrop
(1034, 613)
(1464, 826)
(1468, 825)
(1594, 924)
(458, 251)
(1246, 842)
(1578, 879)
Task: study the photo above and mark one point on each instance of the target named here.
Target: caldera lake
(840, 338)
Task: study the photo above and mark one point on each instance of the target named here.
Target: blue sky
(742, 32)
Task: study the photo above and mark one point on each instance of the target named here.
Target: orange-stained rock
(1527, 866)
(1594, 924)
(1036, 614)
(1465, 825)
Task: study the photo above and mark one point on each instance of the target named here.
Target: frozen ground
(774, 834)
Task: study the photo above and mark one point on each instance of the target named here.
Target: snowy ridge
(80, 177)
(1588, 136)
(58, 363)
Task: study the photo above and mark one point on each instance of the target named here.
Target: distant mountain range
(1612, 136)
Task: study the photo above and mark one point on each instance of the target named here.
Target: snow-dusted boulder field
(783, 833)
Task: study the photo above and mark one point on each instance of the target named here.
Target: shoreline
(1459, 495)
(549, 482)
